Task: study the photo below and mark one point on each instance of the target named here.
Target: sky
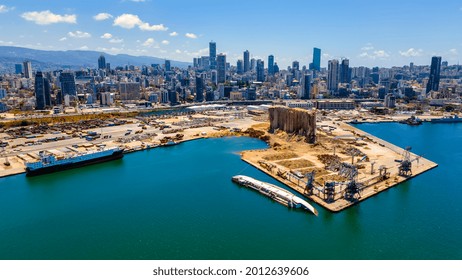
(368, 33)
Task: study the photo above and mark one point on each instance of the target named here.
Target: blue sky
(369, 33)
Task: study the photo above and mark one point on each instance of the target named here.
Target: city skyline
(368, 34)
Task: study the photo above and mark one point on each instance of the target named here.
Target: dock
(346, 165)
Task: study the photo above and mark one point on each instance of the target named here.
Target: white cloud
(63, 39)
(79, 34)
(173, 34)
(200, 52)
(129, 21)
(116, 41)
(106, 36)
(411, 52)
(381, 54)
(6, 43)
(367, 48)
(177, 51)
(103, 16)
(191, 35)
(84, 48)
(110, 50)
(453, 51)
(370, 52)
(138, 1)
(47, 17)
(165, 42)
(4, 9)
(146, 27)
(149, 42)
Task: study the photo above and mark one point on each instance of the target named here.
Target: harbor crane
(405, 167)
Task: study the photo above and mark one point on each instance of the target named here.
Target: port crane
(405, 166)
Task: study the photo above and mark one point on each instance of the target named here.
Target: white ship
(278, 194)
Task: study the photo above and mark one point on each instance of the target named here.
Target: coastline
(253, 158)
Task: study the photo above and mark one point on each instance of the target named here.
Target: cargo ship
(449, 119)
(278, 194)
(49, 163)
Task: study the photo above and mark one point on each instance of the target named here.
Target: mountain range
(72, 59)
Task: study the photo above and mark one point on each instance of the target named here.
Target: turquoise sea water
(179, 203)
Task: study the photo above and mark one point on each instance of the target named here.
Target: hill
(73, 59)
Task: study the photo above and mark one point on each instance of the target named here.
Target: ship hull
(62, 167)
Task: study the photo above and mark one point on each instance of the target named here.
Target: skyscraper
(101, 62)
(42, 92)
(295, 66)
(246, 61)
(240, 66)
(434, 80)
(270, 65)
(199, 89)
(221, 68)
(167, 65)
(345, 71)
(260, 70)
(306, 87)
(253, 64)
(332, 76)
(316, 59)
(18, 68)
(67, 81)
(213, 55)
(27, 69)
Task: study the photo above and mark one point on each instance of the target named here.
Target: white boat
(278, 194)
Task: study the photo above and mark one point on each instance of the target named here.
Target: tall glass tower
(213, 55)
(270, 64)
(434, 80)
(246, 61)
(316, 59)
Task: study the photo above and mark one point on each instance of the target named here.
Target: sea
(179, 203)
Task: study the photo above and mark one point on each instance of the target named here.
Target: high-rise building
(221, 68)
(271, 65)
(167, 65)
(252, 93)
(275, 68)
(42, 92)
(205, 63)
(253, 64)
(18, 68)
(434, 80)
(295, 66)
(199, 89)
(129, 91)
(27, 69)
(101, 62)
(306, 87)
(260, 70)
(246, 61)
(240, 67)
(345, 76)
(213, 55)
(332, 76)
(316, 65)
(2, 93)
(67, 81)
(214, 76)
